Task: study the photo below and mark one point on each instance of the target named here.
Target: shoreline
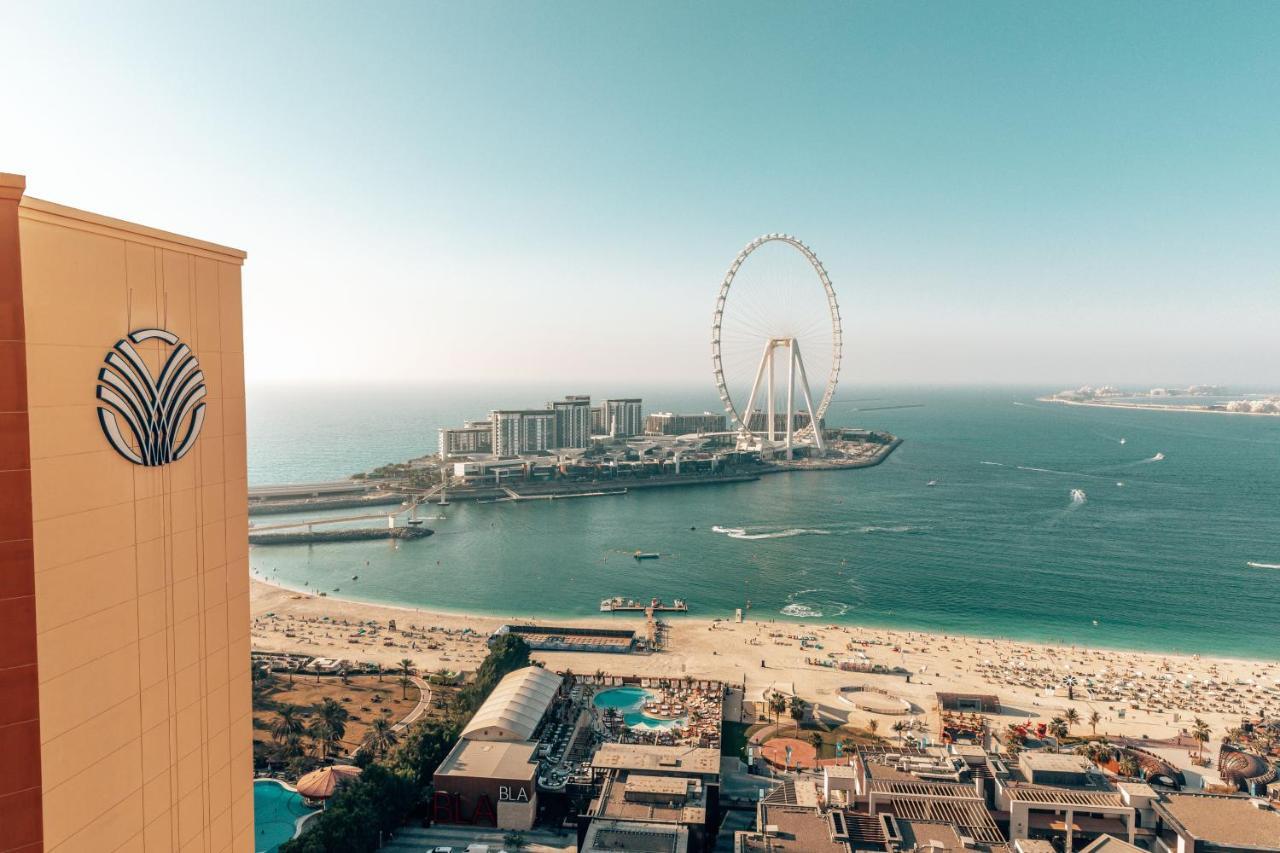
(1152, 407)
(604, 620)
(1135, 693)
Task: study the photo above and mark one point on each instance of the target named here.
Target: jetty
(617, 604)
(353, 534)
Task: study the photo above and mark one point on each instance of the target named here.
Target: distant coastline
(1109, 404)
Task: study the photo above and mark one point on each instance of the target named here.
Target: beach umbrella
(321, 784)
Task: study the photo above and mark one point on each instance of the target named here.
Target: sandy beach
(1135, 693)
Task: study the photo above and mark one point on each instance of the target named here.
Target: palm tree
(379, 737)
(441, 676)
(1128, 766)
(406, 670)
(287, 723)
(796, 706)
(872, 725)
(815, 740)
(1094, 719)
(1073, 717)
(329, 726)
(778, 705)
(1058, 728)
(1200, 731)
(898, 728)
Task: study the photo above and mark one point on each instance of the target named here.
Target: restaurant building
(125, 717)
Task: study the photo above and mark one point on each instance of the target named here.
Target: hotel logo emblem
(151, 420)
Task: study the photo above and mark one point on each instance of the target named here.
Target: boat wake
(875, 528)
(787, 533)
(1078, 496)
(997, 464)
(1255, 565)
(812, 609)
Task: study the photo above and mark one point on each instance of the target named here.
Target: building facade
(465, 441)
(573, 421)
(517, 431)
(622, 417)
(125, 717)
(669, 423)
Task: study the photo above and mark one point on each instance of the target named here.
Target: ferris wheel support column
(808, 402)
(766, 357)
(791, 391)
(771, 431)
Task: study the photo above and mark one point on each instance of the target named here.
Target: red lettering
(484, 810)
(443, 807)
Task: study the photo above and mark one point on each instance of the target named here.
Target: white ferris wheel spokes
(771, 314)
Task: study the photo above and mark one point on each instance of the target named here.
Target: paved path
(424, 700)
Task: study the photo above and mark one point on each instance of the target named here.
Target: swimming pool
(277, 811)
(629, 702)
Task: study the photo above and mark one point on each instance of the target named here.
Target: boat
(1256, 565)
(932, 483)
(620, 604)
(646, 555)
(415, 521)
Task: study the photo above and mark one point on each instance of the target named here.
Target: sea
(998, 516)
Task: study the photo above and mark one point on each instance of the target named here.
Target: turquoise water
(629, 701)
(276, 810)
(998, 547)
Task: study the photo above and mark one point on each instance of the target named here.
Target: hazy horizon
(1000, 192)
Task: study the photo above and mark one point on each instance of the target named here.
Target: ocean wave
(803, 611)
(1255, 565)
(743, 533)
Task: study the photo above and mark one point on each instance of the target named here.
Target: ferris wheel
(776, 309)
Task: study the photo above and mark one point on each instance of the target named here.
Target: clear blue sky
(1002, 192)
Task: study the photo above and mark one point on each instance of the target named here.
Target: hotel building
(517, 431)
(125, 718)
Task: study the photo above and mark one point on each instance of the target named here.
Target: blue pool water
(629, 701)
(276, 810)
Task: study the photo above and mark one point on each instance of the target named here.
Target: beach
(1135, 693)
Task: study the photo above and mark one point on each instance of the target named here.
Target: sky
(501, 192)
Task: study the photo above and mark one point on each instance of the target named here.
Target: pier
(617, 604)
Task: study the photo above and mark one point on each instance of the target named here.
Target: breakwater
(358, 534)
(270, 507)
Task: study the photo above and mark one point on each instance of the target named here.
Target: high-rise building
(517, 431)
(622, 417)
(125, 717)
(667, 423)
(573, 421)
(467, 440)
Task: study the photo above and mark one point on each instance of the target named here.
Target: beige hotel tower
(124, 618)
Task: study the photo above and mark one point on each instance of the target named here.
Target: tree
(1094, 719)
(379, 737)
(873, 726)
(422, 749)
(898, 728)
(507, 654)
(287, 724)
(815, 740)
(1072, 717)
(796, 706)
(778, 705)
(1058, 728)
(513, 841)
(1200, 731)
(328, 728)
(406, 670)
(1128, 766)
(356, 818)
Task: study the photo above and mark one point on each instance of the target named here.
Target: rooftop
(1110, 844)
(489, 760)
(1227, 820)
(635, 837)
(1056, 762)
(515, 706)
(926, 834)
(792, 829)
(675, 760)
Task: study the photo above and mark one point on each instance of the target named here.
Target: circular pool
(630, 702)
